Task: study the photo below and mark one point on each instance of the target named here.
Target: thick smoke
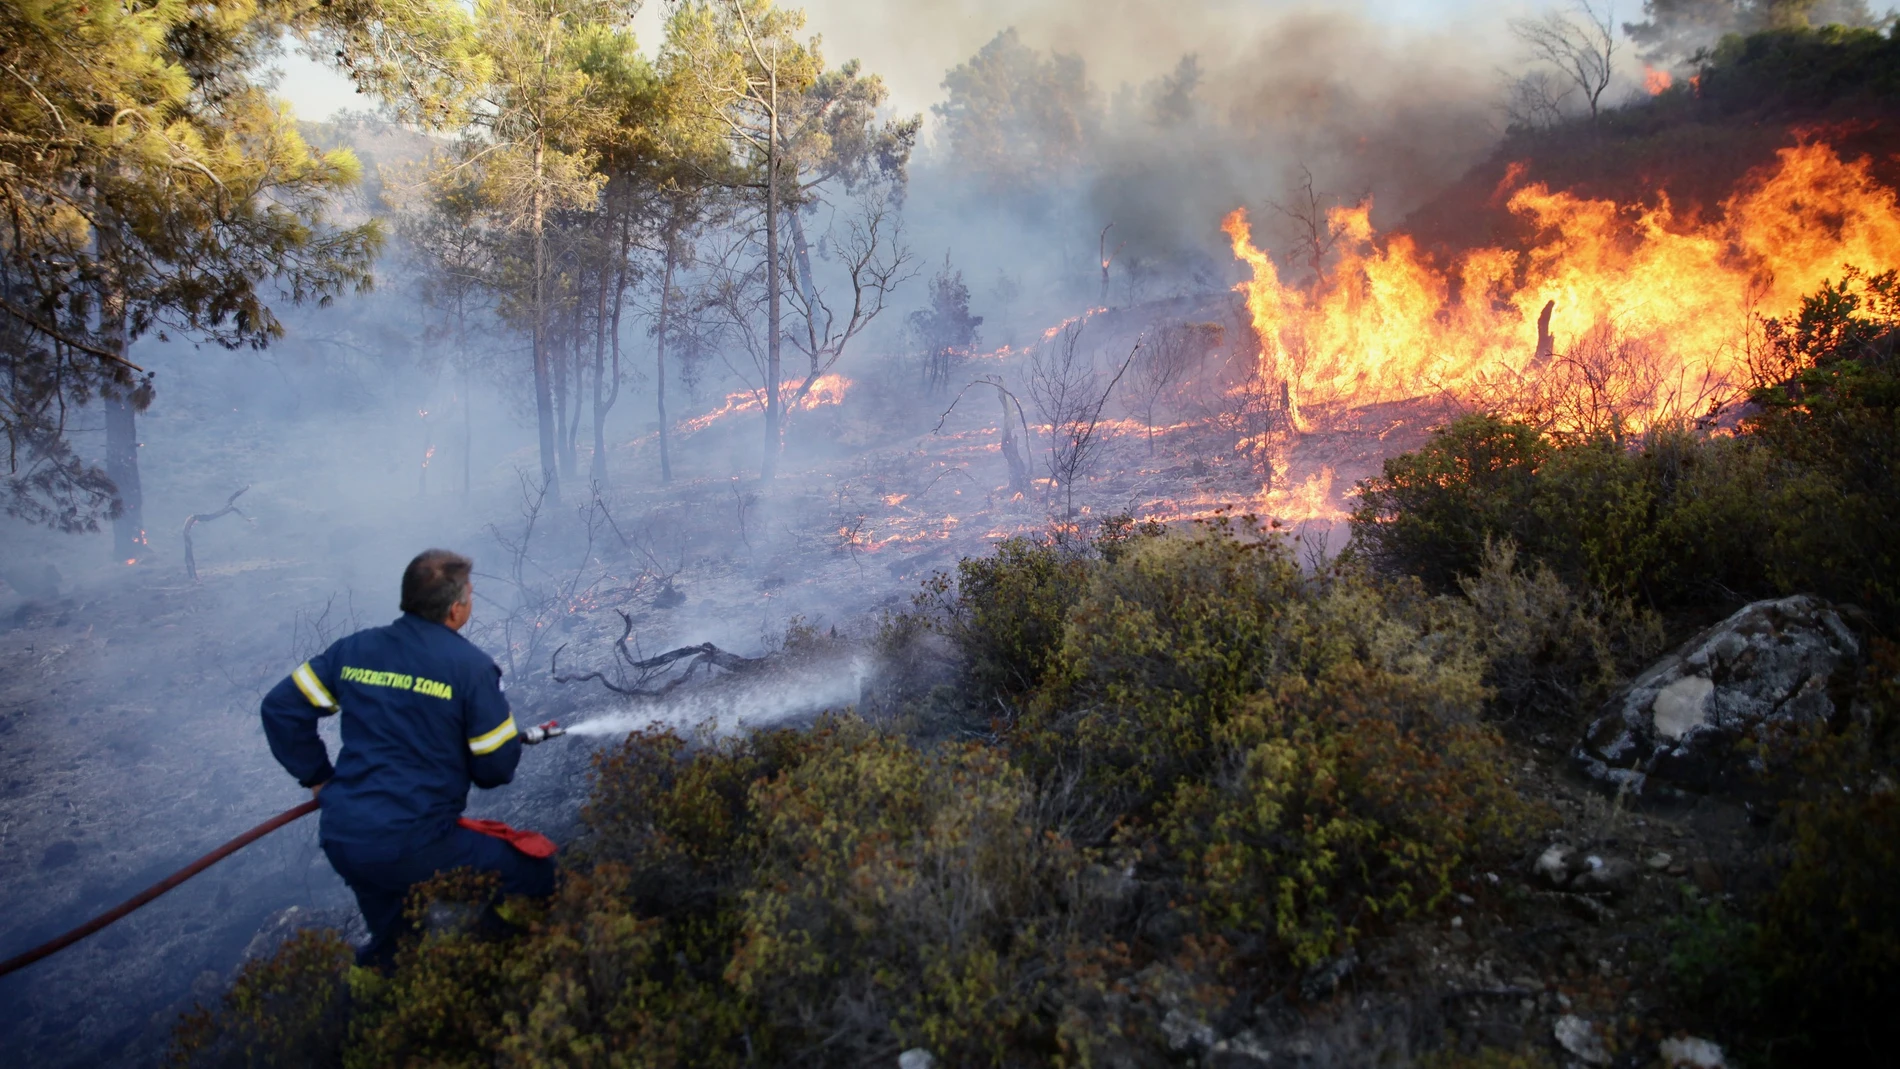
(1193, 113)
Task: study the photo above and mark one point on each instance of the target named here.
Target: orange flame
(1655, 81)
(825, 390)
(1666, 303)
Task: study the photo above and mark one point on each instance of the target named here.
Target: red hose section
(54, 946)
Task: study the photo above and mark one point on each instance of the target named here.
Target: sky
(913, 43)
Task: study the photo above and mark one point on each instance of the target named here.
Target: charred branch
(646, 669)
(196, 518)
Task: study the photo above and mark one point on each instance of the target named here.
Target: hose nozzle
(542, 732)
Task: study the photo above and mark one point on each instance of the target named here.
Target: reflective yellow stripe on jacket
(313, 689)
(492, 741)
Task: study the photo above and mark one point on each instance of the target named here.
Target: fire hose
(533, 734)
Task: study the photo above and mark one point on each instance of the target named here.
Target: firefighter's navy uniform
(423, 716)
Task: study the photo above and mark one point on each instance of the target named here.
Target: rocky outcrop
(1758, 676)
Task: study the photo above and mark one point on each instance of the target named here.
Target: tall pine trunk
(129, 543)
(468, 425)
(567, 417)
(543, 388)
(659, 362)
(597, 465)
(602, 407)
(770, 465)
(122, 467)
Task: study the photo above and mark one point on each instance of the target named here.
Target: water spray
(748, 702)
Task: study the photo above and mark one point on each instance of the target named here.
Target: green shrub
(1675, 519)
(903, 896)
(1226, 769)
(1303, 749)
(1430, 513)
(445, 1002)
(1348, 800)
(1803, 67)
(1829, 940)
(676, 816)
(287, 1011)
(1005, 611)
(1176, 633)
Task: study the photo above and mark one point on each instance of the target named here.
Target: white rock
(1579, 1037)
(1759, 673)
(1553, 865)
(1688, 1052)
(1186, 1033)
(1682, 706)
(916, 1058)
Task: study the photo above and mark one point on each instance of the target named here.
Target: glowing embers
(825, 390)
(1651, 315)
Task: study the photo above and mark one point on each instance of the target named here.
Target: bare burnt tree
(544, 596)
(1173, 352)
(1019, 480)
(1260, 415)
(1534, 100)
(1012, 417)
(1315, 231)
(869, 248)
(1069, 397)
(1609, 383)
(1578, 44)
(945, 329)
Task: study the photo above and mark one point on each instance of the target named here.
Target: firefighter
(423, 716)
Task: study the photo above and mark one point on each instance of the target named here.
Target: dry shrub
(1305, 750)
(902, 896)
(1552, 653)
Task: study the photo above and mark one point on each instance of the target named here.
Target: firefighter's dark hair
(435, 582)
